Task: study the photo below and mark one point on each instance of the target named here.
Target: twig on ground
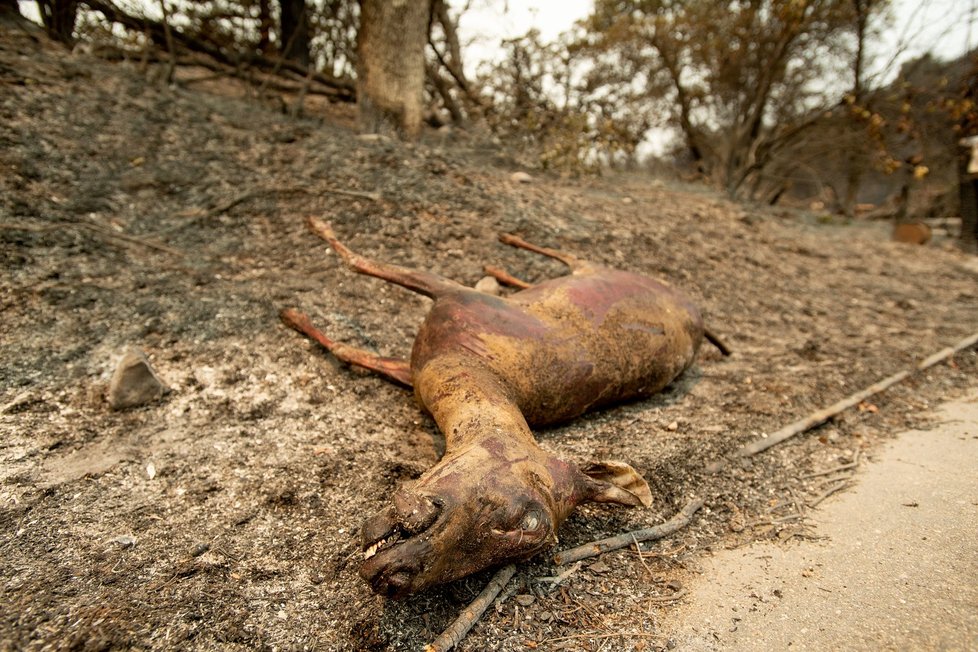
(458, 629)
(130, 239)
(664, 554)
(595, 548)
(372, 196)
(360, 194)
(596, 635)
(672, 597)
(557, 579)
(227, 205)
(776, 521)
(842, 467)
(838, 486)
(645, 565)
(821, 416)
(98, 228)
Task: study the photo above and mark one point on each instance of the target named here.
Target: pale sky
(944, 26)
(947, 27)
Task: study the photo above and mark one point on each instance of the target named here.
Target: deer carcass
(487, 368)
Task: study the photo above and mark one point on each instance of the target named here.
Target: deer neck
(471, 404)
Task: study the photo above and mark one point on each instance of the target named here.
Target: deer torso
(567, 345)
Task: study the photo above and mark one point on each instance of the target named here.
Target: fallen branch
(458, 629)
(839, 486)
(672, 597)
(344, 89)
(227, 205)
(130, 239)
(557, 579)
(97, 228)
(835, 469)
(599, 635)
(824, 415)
(595, 548)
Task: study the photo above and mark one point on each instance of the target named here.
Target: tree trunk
(9, 8)
(968, 187)
(59, 18)
(294, 24)
(391, 67)
(264, 26)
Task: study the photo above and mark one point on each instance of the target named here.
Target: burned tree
(59, 18)
(391, 74)
(294, 27)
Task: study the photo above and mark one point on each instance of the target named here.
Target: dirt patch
(172, 220)
(892, 566)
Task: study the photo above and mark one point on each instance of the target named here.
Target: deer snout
(415, 512)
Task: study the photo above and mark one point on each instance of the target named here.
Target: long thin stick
(823, 415)
(677, 522)
(149, 244)
(458, 629)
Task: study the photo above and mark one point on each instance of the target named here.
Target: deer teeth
(380, 545)
(371, 551)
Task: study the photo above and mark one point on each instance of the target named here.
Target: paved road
(898, 571)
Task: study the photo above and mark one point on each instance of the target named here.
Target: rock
(373, 138)
(134, 382)
(525, 599)
(520, 177)
(599, 567)
(124, 541)
(489, 285)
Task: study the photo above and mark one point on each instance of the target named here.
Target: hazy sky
(944, 26)
(947, 27)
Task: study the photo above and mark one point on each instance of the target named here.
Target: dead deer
(487, 368)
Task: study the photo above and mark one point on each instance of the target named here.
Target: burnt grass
(226, 515)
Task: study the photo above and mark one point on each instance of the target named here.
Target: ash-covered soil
(226, 515)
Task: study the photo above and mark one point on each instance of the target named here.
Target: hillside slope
(226, 515)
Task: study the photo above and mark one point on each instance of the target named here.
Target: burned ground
(226, 515)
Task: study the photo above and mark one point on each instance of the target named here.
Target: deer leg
(505, 277)
(716, 341)
(575, 263)
(393, 369)
(426, 283)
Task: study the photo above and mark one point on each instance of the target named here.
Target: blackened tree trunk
(294, 23)
(9, 8)
(968, 187)
(391, 71)
(59, 18)
(264, 26)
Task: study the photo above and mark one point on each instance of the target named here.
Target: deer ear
(616, 482)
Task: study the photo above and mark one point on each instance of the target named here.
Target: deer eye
(532, 520)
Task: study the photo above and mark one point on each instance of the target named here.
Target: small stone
(151, 470)
(199, 549)
(123, 541)
(488, 285)
(525, 599)
(674, 426)
(627, 200)
(599, 567)
(134, 382)
(520, 177)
